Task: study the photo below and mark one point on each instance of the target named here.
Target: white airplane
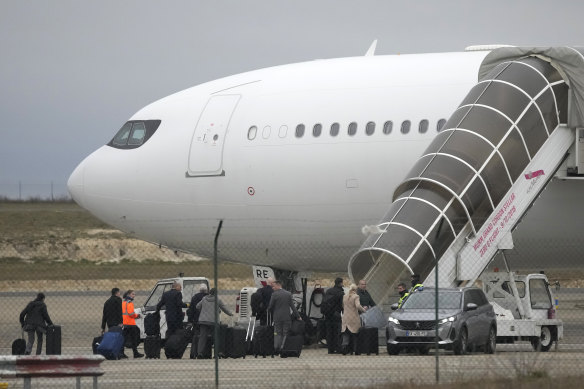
(294, 159)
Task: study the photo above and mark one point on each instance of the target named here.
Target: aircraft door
(206, 152)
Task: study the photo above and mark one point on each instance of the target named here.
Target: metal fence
(77, 265)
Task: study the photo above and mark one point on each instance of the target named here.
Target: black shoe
(123, 356)
(138, 355)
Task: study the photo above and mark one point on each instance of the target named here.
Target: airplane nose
(75, 184)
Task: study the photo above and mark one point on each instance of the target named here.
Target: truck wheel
(424, 350)
(545, 340)
(491, 344)
(461, 344)
(392, 350)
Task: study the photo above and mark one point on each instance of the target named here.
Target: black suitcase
(297, 327)
(263, 341)
(152, 346)
(53, 346)
(176, 344)
(292, 346)
(367, 341)
(96, 341)
(152, 324)
(19, 346)
(235, 342)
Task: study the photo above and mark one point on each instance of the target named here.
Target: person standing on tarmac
(333, 306)
(131, 330)
(416, 284)
(280, 305)
(403, 294)
(112, 311)
(172, 300)
(35, 318)
(207, 319)
(266, 293)
(365, 298)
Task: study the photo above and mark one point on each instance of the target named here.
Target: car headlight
(448, 319)
(393, 320)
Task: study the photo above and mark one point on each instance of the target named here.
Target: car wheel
(424, 350)
(545, 340)
(461, 344)
(491, 344)
(392, 350)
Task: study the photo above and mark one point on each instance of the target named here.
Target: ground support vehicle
(525, 307)
(190, 286)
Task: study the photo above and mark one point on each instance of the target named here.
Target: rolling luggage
(19, 346)
(249, 335)
(53, 344)
(297, 327)
(263, 341)
(112, 343)
(235, 342)
(152, 324)
(152, 346)
(292, 346)
(96, 341)
(367, 341)
(177, 343)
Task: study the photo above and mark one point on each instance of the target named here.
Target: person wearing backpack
(331, 308)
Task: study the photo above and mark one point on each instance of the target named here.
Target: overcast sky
(72, 72)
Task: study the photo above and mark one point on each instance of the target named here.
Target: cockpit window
(134, 134)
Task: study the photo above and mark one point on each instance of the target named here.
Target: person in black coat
(333, 299)
(35, 318)
(112, 311)
(172, 300)
(266, 294)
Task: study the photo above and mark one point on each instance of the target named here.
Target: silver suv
(465, 320)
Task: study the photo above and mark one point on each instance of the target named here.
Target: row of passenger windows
(352, 129)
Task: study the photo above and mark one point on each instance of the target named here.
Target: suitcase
(53, 344)
(263, 341)
(297, 327)
(367, 341)
(19, 346)
(96, 341)
(112, 343)
(235, 342)
(292, 346)
(152, 324)
(176, 344)
(152, 346)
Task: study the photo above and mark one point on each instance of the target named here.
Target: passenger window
(540, 298)
(387, 127)
(317, 130)
(283, 131)
(440, 125)
(266, 132)
(335, 129)
(155, 297)
(405, 127)
(423, 127)
(252, 132)
(300, 131)
(352, 129)
(370, 128)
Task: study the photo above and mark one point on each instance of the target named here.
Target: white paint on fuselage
(312, 194)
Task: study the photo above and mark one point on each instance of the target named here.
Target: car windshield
(427, 300)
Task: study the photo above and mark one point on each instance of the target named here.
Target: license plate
(416, 333)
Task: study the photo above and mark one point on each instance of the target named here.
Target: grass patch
(17, 269)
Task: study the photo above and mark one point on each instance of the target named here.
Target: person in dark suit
(280, 305)
(35, 318)
(172, 300)
(333, 300)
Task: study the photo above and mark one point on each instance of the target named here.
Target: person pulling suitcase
(35, 319)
